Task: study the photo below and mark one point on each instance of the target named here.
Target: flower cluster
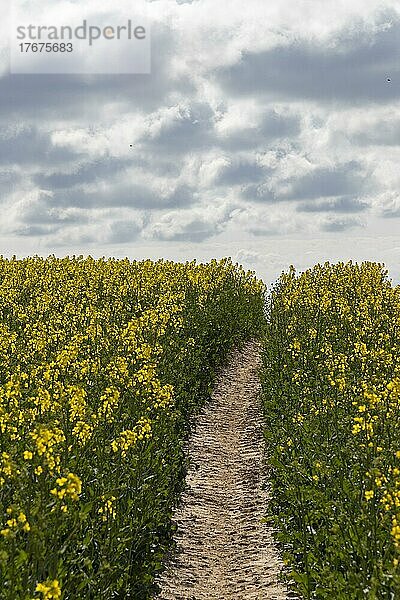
(129, 438)
(68, 488)
(50, 589)
(16, 522)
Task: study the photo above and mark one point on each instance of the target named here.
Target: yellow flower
(128, 438)
(68, 487)
(83, 432)
(6, 532)
(108, 509)
(50, 589)
(369, 494)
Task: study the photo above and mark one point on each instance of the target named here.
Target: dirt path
(224, 551)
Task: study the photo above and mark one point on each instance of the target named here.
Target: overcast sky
(267, 131)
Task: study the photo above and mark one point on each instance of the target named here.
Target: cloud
(180, 129)
(123, 232)
(263, 222)
(124, 194)
(345, 204)
(33, 214)
(239, 171)
(383, 132)
(352, 68)
(337, 224)
(9, 180)
(272, 126)
(258, 193)
(82, 173)
(81, 96)
(336, 180)
(194, 226)
(387, 204)
(247, 257)
(29, 145)
(319, 182)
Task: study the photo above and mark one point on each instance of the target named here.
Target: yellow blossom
(50, 589)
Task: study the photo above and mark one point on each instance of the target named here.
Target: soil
(224, 549)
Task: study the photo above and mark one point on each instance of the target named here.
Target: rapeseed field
(101, 363)
(331, 380)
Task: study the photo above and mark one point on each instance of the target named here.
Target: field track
(224, 551)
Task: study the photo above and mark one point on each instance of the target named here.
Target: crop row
(331, 381)
(102, 362)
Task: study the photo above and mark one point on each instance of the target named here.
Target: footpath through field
(224, 550)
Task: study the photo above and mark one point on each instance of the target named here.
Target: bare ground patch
(224, 549)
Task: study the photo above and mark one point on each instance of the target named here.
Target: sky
(266, 131)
